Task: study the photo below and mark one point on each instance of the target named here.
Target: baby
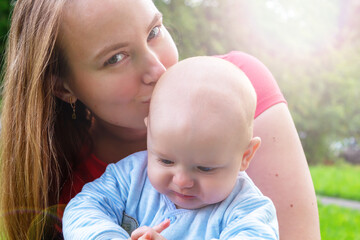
(190, 183)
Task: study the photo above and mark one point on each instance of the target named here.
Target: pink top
(266, 87)
(268, 94)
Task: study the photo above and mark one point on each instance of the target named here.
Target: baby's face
(198, 130)
(193, 169)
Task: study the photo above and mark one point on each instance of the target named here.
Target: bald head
(203, 95)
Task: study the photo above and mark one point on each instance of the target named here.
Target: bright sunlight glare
(300, 25)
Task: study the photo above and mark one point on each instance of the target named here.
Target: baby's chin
(191, 205)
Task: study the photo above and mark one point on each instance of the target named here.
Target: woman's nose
(153, 68)
(183, 180)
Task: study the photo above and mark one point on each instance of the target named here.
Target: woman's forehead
(87, 8)
(93, 15)
(89, 25)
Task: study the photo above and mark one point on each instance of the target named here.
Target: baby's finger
(152, 235)
(162, 226)
(146, 236)
(139, 232)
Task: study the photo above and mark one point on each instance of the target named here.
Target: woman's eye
(154, 33)
(166, 162)
(205, 169)
(115, 59)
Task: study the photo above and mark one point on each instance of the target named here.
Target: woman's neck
(112, 144)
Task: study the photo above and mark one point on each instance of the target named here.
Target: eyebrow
(115, 46)
(156, 18)
(161, 155)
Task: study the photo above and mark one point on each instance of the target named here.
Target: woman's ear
(63, 91)
(249, 153)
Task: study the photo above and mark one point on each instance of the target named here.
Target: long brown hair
(39, 139)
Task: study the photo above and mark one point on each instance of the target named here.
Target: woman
(78, 81)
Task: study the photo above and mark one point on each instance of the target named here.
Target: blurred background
(312, 47)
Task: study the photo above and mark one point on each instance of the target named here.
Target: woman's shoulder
(266, 87)
(254, 69)
(239, 58)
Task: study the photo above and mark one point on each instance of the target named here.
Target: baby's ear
(63, 91)
(146, 121)
(249, 153)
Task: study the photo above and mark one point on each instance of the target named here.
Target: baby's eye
(166, 162)
(115, 59)
(154, 33)
(205, 169)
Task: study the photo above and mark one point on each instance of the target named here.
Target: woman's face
(116, 51)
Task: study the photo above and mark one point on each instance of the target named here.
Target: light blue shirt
(123, 199)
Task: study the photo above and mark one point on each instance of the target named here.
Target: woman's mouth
(146, 100)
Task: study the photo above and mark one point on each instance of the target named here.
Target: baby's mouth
(184, 196)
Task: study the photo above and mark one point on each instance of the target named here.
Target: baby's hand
(151, 236)
(148, 233)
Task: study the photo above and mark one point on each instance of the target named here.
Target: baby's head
(200, 131)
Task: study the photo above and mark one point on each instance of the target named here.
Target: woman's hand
(148, 233)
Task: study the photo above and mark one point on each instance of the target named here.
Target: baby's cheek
(218, 192)
(157, 178)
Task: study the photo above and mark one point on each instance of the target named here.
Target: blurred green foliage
(4, 26)
(312, 49)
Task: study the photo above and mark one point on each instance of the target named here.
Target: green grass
(337, 223)
(341, 180)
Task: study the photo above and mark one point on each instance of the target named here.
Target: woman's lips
(146, 100)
